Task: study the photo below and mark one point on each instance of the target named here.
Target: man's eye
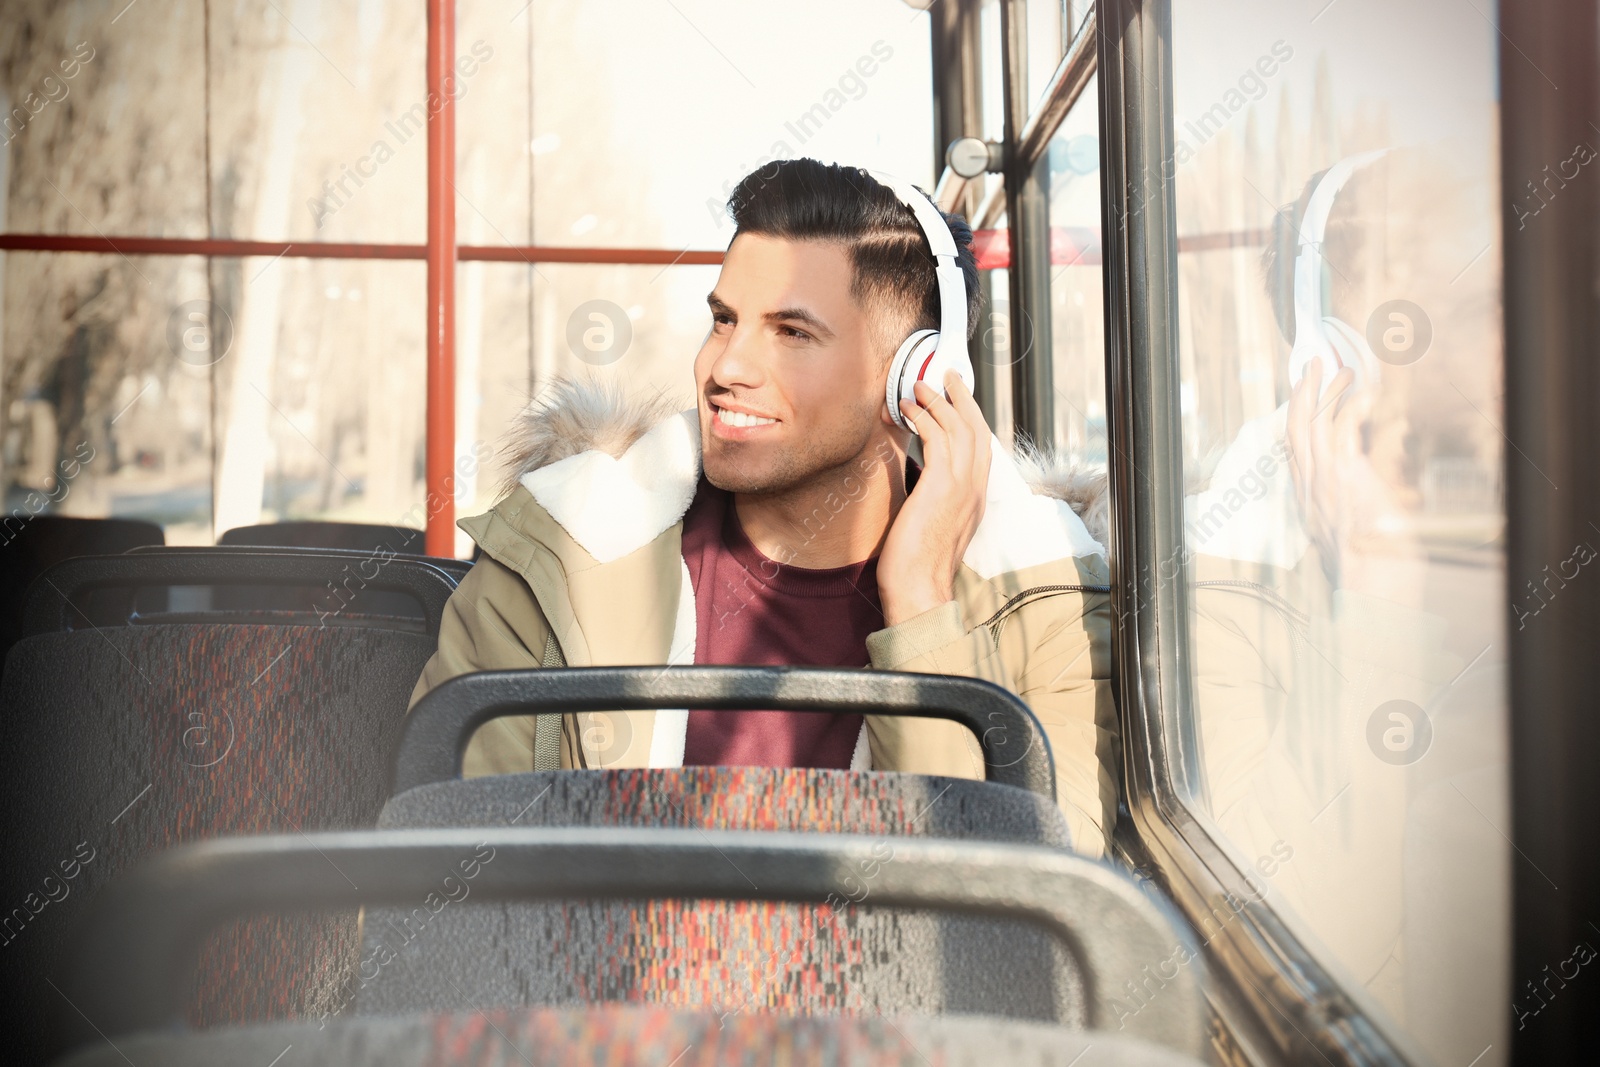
(790, 331)
(721, 318)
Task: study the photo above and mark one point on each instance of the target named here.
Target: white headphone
(1316, 334)
(927, 354)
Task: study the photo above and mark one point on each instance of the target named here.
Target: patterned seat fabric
(624, 1037)
(449, 952)
(739, 798)
(121, 742)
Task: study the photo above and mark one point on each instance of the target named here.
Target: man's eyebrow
(800, 315)
(717, 304)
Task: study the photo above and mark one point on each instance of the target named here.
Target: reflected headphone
(1316, 334)
(927, 354)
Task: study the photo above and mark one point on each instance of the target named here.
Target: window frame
(1027, 202)
(1274, 1000)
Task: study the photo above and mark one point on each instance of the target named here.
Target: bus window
(1337, 208)
(644, 118)
(228, 387)
(1046, 43)
(635, 326)
(1070, 330)
(1077, 310)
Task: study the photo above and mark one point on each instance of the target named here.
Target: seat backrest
(30, 546)
(137, 946)
(801, 800)
(118, 742)
(358, 536)
(321, 586)
(708, 954)
(703, 953)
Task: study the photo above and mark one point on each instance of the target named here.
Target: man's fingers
(1297, 401)
(964, 402)
(1298, 426)
(1321, 434)
(966, 406)
(956, 430)
(1337, 390)
(1327, 404)
(1301, 405)
(935, 442)
(1345, 410)
(980, 466)
(936, 405)
(912, 412)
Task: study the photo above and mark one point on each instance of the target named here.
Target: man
(780, 523)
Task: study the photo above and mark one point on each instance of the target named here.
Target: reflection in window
(1077, 322)
(1345, 540)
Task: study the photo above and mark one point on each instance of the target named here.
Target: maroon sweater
(752, 610)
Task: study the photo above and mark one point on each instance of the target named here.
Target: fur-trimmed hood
(576, 416)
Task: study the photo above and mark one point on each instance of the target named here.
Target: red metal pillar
(441, 480)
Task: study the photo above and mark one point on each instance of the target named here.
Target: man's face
(790, 379)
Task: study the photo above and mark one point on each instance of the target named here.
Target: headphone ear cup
(910, 361)
(963, 369)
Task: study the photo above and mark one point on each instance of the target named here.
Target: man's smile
(735, 422)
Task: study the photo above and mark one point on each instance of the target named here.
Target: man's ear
(897, 434)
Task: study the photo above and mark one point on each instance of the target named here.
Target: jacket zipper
(1273, 599)
(997, 621)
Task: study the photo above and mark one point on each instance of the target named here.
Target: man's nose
(741, 362)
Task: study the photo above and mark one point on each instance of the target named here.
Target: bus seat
(704, 954)
(348, 597)
(126, 740)
(45, 540)
(803, 800)
(547, 1037)
(875, 961)
(361, 539)
(357, 536)
(136, 948)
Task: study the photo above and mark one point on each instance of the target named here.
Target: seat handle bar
(434, 742)
(138, 945)
(50, 605)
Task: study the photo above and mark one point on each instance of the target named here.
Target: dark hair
(1278, 257)
(1342, 241)
(803, 199)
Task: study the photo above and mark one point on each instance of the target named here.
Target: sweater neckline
(786, 578)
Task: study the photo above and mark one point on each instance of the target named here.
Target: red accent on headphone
(925, 363)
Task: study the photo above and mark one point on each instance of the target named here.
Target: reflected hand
(917, 566)
(1319, 433)
(1347, 508)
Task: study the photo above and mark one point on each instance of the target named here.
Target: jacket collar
(615, 472)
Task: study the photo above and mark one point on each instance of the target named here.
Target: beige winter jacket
(582, 565)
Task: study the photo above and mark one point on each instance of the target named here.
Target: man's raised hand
(917, 566)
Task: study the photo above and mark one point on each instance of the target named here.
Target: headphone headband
(1314, 223)
(928, 214)
(952, 283)
(1311, 336)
